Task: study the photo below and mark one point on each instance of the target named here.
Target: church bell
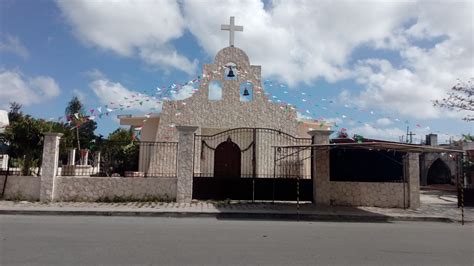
(231, 73)
(246, 92)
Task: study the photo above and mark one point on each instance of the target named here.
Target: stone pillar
(71, 157)
(320, 167)
(49, 165)
(412, 176)
(185, 169)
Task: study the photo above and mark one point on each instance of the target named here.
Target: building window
(215, 90)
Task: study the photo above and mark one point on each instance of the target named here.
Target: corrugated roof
(391, 146)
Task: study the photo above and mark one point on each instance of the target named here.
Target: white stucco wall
(21, 187)
(123, 188)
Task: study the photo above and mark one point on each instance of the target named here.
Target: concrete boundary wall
(374, 194)
(21, 187)
(116, 189)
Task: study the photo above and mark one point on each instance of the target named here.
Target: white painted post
(49, 165)
(320, 167)
(185, 169)
(71, 157)
(85, 156)
(97, 163)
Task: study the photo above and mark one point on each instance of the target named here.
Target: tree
(24, 137)
(121, 134)
(342, 134)
(461, 98)
(15, 111)
(84, 128)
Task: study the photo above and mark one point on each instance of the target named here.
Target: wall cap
(187, 128)
(53, 134)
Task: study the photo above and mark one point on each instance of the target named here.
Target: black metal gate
(265, 173)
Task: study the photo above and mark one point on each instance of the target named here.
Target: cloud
(131, 28)
(384, 121)
(396, 133)
(12, 44)
(297, 40)
(421, 48)
(303, 41)
(185, 92)
(369, 131)
(334, 120)
(108, 91)
(94, 74)
(16, 87)
(81, 95)
(427, 72)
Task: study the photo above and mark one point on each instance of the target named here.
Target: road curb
(237, 215)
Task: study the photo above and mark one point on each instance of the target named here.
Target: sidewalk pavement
(436, 207)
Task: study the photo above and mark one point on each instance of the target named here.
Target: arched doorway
(227, 159)
(439, 173)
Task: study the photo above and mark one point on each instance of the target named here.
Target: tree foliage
(24, 138)
(461, 98)
(342, 134)
(121, 134)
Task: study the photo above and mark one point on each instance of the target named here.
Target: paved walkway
(436, 206)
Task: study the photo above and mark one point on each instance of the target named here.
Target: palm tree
(74, 112)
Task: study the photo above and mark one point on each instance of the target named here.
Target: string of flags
(314, 107)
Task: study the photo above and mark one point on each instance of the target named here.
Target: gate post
(320, 167)
(412, 166)
(185, 169)
(49, 165)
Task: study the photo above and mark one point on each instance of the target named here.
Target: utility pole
(409, 134)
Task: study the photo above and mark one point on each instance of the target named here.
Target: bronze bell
(246, 92)
(231, 73)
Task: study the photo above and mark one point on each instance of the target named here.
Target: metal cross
(232, 28)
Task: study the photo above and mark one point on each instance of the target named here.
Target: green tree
(121, 134)
(24, 137)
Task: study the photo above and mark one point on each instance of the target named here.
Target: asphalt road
(82, 240)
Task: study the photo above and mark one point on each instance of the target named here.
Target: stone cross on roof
(232, 28)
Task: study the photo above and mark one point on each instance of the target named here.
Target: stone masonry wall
(229, 112)
(388, 195)
(100, 188)
(22, 187)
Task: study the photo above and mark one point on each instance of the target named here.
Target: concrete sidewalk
(429, 211)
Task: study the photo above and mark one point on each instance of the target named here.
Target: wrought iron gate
(241, 164)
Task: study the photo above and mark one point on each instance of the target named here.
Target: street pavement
(99, 240)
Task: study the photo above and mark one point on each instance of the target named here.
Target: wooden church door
(227, 159)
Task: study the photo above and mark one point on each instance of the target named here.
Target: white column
(185, 169)
(85, 156)
(320, 167)
(49, 165)
(71, 157)
(96, 162)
